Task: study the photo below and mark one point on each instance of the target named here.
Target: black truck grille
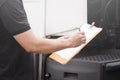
(107, 56)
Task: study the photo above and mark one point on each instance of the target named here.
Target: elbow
(34, 49)
(30, 49)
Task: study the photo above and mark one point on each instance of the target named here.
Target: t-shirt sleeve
(2, 2)
(13, 17)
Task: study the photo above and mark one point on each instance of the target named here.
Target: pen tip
(93, 23)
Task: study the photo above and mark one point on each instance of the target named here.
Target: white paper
(90, 32)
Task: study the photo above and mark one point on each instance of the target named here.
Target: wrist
(64, 43)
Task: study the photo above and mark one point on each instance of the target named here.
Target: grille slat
(103, 57)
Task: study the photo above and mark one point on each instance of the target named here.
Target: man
(17, 41)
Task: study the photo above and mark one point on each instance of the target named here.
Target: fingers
(76, 39)
(83, 40)
(81, 32)
(81, 35)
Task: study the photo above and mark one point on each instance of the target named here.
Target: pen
(92, 24)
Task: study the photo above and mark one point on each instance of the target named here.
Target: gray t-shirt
(13, 16)
(2, 2)
(15, 62)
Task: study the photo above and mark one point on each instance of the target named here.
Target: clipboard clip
(92, 24)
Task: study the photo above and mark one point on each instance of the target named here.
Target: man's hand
(31, 43)
(74, 40)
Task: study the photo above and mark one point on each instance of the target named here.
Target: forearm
(31, 43)
(45, 46)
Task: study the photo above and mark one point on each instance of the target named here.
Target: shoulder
(13, 13)
(2, 2)
(11, 6)
(11, 2)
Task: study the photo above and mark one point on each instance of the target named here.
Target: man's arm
(31, 43)
(15, 22)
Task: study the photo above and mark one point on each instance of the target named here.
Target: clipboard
(65, 55)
